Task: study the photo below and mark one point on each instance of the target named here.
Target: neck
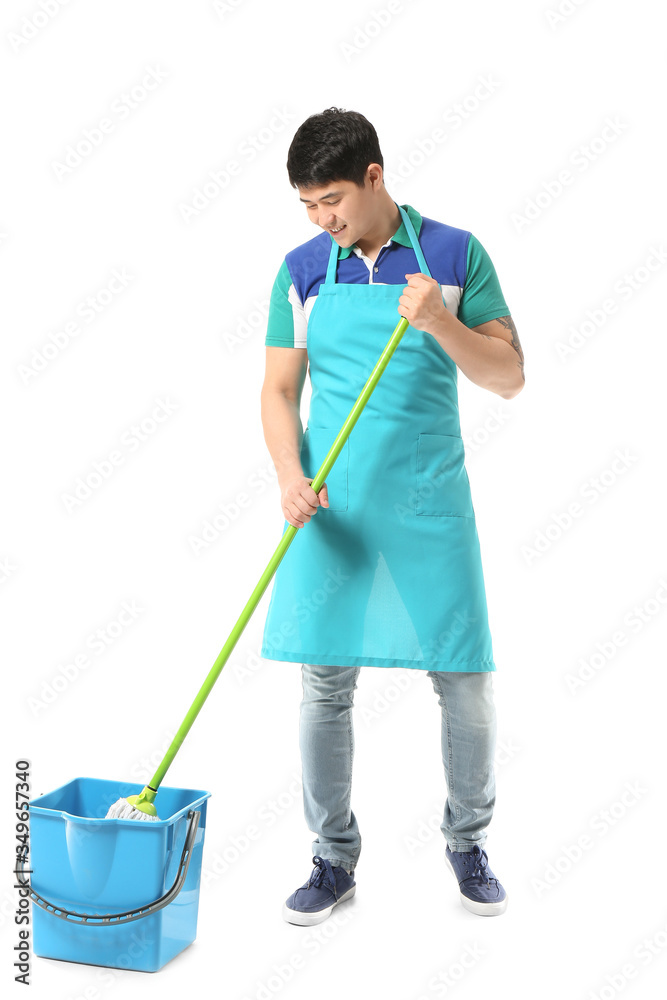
(388, 223)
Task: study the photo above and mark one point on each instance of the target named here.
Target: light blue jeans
(326, 740)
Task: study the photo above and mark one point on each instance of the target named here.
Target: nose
(327, 219)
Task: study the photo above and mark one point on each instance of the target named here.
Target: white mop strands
(122, 809)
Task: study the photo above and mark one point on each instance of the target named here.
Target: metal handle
(114, 919)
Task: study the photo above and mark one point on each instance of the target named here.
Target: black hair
(336, 145)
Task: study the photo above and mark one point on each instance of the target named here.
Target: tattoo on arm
(508, 323)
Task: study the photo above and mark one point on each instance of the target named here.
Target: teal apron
(390, 574)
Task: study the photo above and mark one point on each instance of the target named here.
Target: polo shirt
(456, 259)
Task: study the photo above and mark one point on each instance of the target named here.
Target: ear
(374, 173)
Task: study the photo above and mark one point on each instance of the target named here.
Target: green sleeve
(280, 328)
(482, 298)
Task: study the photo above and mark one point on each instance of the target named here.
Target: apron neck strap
(333, 261)
(410, 229)
(423, 266)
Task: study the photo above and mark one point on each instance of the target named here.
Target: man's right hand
(299, 500)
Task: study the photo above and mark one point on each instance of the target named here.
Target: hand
(299, 500)
(421, 303)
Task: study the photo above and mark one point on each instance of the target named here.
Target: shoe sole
(481, 909)
(317, 916)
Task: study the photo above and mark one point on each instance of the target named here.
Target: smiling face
(345, 210)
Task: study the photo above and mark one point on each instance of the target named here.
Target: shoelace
(323, 872)
(480, 865)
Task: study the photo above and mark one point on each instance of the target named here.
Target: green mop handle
(274, 562)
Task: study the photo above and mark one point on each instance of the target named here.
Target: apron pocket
(315, 447)
(443, 487)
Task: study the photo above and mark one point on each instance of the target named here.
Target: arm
(284, 378)
(504, 329)
(486, 354)
(283, 432)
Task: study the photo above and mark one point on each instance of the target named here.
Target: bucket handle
(114, 919)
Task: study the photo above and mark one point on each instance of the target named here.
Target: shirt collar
(401, 234)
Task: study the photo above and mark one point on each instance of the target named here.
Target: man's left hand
(421, 303)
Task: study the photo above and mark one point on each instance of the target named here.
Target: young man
(389, 573)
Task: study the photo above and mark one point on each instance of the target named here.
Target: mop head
(123, 809)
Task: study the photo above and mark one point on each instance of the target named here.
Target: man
(389, 573)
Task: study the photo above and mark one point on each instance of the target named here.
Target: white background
(560, 592)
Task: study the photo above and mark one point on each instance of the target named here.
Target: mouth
(337, 232)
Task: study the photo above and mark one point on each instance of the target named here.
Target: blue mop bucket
(115, 892)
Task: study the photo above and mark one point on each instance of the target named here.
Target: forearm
(489, 362)
(283, 433)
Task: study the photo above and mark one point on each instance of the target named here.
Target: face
(341, 205)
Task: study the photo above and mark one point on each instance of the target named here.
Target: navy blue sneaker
(481, 892)
(316, 898)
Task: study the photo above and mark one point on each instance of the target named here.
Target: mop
(141, 807)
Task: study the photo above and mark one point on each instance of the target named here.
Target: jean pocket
(315, 447)
(443, 488)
